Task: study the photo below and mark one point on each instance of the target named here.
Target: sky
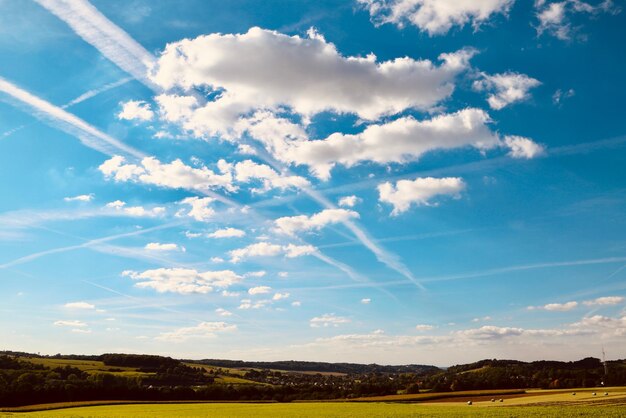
(389, 181)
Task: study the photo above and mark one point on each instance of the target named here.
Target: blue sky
(374, 181)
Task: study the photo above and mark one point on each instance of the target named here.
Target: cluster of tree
(512, 374)
(328, 386)
(313, 366)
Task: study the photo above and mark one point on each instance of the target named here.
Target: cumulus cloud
(290, 225)
(399, 141)
(280, 296)
(227, 233)
(182, 280)
(259, 290)
(505, 88)
(424, 327)
(328, 320)
(134, 109)
(79, 305)
(264, 69)
(202, 330)
(178, 175)
(175, 175)
(603, 301)
(74, 323)
(137, 211)
(521, 147)
(419, 192)
(80, 198)
(249, 304)
(265, 249)
(223, 312)
(559, 307)
(247, 171)
(348, 201)
(436, 17)
(366, 301)
(200, 208)
(157, 246)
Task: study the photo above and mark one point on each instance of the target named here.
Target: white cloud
(76, 324)
(157, 246)
(559, 307)
(554, 17)
(260, 273)
(264, 69)
(419, 191)
(436, 17)
(280, 296)
(402, 140)
(366, 301)
(182, 280)
(424, 327)
(328, 320)
(521, 147)
(175, 175)
(265, 249)
(283, 274)
(200, 209)
(81, 331)
(246, 171)
(248, 304)
(227, 293)
(178, 175)
(560, 95)
(134, 109)
(202, 330)
(505, 88)
(348, 201)
(259, 290)
(296, 303)
(603, 301)
(137, 211)
(227, 233)
(291, 225)
(79, 305)
(80, 198)
(223, 312)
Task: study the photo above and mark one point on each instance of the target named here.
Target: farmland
(545, 403)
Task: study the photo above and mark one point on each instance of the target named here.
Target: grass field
(537, 403)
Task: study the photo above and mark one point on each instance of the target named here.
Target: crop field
(541, 403)
(328, 409)
(88, 366)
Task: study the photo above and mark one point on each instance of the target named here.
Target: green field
(538, 403)
(327, 409)
(94, 366)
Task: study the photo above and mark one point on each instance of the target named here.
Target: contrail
(108, 38)
(91, 243)
(83, 97)
(69, 123)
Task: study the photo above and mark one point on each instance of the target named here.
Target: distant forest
(144, 377)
